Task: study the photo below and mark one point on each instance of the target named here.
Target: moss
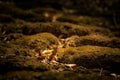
(50, 37)
(12, 28)
(57, 28)
(85, 20)
(100, 40)
(7, 7)
(93, 57)
(41, 40)
(29, 15)
(16, 12)
(4, 18)
(41, 10)
(88, 49)
(27, 75)
(10, 37)
(95, 39)
(69, 18)
(67, 55)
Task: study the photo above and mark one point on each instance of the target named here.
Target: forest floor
(79, 47)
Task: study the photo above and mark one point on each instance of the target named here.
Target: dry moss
(93, 39)
(6, 18)
(30, 75)
(10, 37)
(100, 40)
(95, 46)
(57, 28)
(12, 10)
(65, 29)
(83, 20)
(86, 50)
(67, 55)
(93, 57)
(41, 40)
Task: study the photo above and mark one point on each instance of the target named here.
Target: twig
(101, 70)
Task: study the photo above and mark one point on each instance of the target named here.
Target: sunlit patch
(71, 66)
(52, 16)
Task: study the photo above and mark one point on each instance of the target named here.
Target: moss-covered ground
(92, 43)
